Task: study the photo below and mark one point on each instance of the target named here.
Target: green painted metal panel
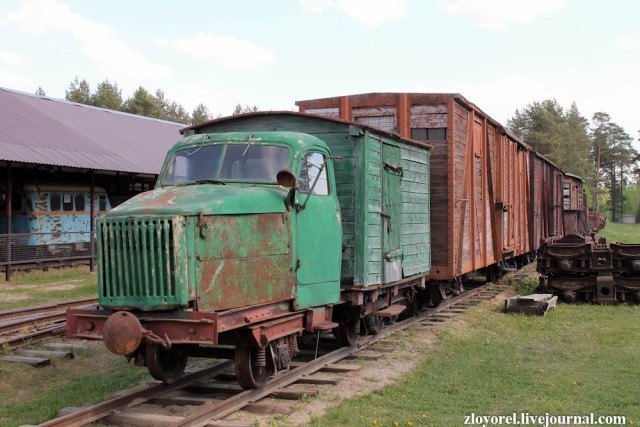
(319, 242)
(207, 199)
(243, 260)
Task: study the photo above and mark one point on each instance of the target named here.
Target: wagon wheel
(165, 365)
(253, 367)
(347, 332)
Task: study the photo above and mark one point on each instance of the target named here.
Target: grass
(621, 233)
(89, 378)
(577, 360)
(43, 287)
(31, 395)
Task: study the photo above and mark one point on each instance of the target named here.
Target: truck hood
(208, 199)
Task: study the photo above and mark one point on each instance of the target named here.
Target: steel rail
(101, 410)
(16, 325)
(16, 340)
(46, 308)
(222, 409)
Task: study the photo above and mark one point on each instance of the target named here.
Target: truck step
(325, 326)
(391, 311)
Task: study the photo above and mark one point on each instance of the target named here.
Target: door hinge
(393, 168)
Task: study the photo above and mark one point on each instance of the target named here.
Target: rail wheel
(373, 324)
(252, 366)
(347, 332)
(165, 365)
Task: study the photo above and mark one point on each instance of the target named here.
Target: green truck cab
(239, 238)
(262, 228)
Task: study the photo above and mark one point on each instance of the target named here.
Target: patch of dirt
(54, 286)
(14, 297)
(64, 287)
(409, 349)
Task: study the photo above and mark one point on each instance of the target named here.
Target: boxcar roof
(42, 130)
(416, 98)
(202, 126)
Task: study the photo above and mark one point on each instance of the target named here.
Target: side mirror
(287, 178)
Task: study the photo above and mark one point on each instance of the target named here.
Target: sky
(499, 54)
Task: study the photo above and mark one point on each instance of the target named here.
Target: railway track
(34, 323)
(127, 409)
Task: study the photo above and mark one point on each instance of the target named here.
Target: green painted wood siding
(415, 218)
(415, 222)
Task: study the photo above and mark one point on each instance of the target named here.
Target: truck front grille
(136, 261)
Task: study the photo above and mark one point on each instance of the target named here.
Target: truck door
(391, 208)
(318, 234)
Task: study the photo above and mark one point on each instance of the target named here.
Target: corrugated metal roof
(41, 130)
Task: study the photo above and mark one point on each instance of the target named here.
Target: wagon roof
(389, 98)
(392, 135)
(42, 130)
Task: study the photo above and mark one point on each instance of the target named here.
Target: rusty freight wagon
(479, 175)
(263, 227)
(574, 206)
(546, 217)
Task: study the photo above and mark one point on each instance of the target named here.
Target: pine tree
(200, 114)
(172, 110)
(108, 95)
(79, 92)
(143, 103)
(40, 91)
(242, 110)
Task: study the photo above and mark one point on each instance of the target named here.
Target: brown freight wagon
(574, 205)
(479, 174)
(546, 200)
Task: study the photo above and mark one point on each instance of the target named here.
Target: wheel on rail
(373, 324)
(254, 366)
(165, 365)
(348, 331)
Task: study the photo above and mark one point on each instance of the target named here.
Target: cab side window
(312, 168)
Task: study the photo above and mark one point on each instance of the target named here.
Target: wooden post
(92, 218)
(8, 203)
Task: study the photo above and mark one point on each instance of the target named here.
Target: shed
(49, 141)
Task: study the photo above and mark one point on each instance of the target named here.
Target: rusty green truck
(261, 228)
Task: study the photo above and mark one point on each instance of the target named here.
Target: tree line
(141, 102)
(599, 151)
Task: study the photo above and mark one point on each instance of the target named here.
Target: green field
(621, 233)
(579, 359)
(44, 287)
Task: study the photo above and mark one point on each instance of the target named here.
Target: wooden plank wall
(415, 221)
(372, 223)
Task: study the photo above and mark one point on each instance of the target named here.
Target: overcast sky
(499, 54)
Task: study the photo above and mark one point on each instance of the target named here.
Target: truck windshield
(239, 162)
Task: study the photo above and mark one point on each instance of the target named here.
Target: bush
(527, 285)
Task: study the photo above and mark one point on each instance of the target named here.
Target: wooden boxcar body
(546, 217)
(479, 174)
(574, 206)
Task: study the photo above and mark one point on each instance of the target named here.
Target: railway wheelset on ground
(267, 226)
